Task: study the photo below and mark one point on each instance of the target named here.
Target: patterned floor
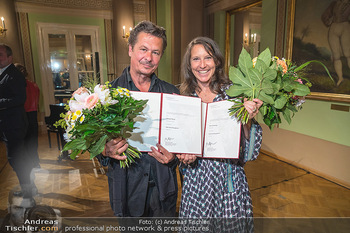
(278, 189)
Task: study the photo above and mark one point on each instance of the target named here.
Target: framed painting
(320, 30)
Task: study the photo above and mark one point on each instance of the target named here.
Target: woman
(336, 17)
(206, 192)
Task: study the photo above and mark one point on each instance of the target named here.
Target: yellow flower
(82, 119)
(78, 112)
(74, 117)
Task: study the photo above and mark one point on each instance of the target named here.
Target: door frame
(70, 30)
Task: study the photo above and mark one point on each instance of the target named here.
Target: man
(148, 187)
(13, 120)
(31, 108)
(17, 209)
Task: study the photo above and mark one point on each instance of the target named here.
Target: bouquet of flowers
(96, 115)
(277, 82)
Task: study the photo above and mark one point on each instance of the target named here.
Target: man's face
(18, 208)
(146, 54)
(4, 59)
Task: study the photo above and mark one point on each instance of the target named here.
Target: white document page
(147, 132)
(222, 132)
(181, 124)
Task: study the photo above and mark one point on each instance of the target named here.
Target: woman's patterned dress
(218, 188)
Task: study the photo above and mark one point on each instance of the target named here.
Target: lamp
(126, 35)
(246, 38)
(251, 40)
(2, 27)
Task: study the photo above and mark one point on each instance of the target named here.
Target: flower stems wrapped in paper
(96, 115)
(278, 83)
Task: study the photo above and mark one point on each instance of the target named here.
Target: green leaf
(280, 102)
(309, 62)
(237, 77)
(292, 107)
(301, 90)
(266, 98)
(270, 74)
(265, 56)
(267, 87)
(236, 90)
(74, 154)
(245, 61)
(98, 147)
(255, 77)
(261, 66)
(286, 115)
(86, 127)
(77, 143)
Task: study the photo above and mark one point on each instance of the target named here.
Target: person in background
(18, 207)
(336, 17)
(216, 188)
(31, 108)
(13, 121)
(148, 187)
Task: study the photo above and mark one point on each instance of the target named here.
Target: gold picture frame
(291, 28)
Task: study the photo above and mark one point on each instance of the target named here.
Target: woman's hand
(114, 148)
(252, 107)
(163, 156)
(186, 158)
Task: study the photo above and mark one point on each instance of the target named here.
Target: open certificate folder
(183, 124)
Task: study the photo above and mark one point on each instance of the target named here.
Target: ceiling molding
(76, 4)
(35, 8)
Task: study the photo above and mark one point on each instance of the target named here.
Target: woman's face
(202, 64)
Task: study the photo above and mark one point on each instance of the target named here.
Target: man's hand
(163, 156)
(114, 148)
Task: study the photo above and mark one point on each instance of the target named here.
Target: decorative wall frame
(307, 39)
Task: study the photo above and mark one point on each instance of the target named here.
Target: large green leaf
(255, 77)
(286, 115)
(270, 74)
(261, 66)
(86, 127)
(245, 61)
(266, 98)
(268, 87)
(77, 143)
(280, 102)
(237, 90)
(98, 147)
(74, 154)
(265, 56)
(301, 90)
(237, 77)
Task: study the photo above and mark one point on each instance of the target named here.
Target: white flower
(66, 137)
(103, 94)
(111, 101)
(75, 105)
(300, 102)
(81, 98)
